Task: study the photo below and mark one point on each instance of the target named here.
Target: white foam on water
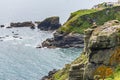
(28, 45)
(8, 38)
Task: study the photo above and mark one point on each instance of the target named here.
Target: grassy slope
(83, 19)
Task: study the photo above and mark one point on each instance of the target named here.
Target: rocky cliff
(100, 57)
(71, 33)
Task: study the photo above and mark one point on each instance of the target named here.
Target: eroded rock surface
(102, 47)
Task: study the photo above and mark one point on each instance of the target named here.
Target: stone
(51, 23)
(22, 24)
(9, 27)
(65, 41)
(2, 26)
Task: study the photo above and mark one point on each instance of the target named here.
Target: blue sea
(19, 57)
(21, 60)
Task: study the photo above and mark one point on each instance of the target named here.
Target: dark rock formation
(65, 41)
(50, 74)
(37, 22)
(102, 48)
(22, 24)
(51, 23)
(9, 27)
(2, 26)
(32, 27)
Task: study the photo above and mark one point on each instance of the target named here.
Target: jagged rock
(22, 24)
(51, 23)
(65, 41)
(102, 46)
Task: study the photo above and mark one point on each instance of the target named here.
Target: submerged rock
(51, 23)
(22, 24)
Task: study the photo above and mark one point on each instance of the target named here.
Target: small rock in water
(7, 35)
(9, 27)
(32, 27)
(2, 37)
(20, 38)
(1, 40)
(2, 26)
(12, 31)
(15, 36)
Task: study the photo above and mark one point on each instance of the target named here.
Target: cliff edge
(100, 58)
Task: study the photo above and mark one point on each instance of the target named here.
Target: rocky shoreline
(50, 74)
(60, 40)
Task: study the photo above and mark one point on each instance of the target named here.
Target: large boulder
(22, 24)
(102, 47)
(51, 23)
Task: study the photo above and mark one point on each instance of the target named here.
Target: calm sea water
(20, 60)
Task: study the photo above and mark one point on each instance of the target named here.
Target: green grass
(83, 19)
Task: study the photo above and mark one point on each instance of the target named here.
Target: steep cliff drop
(102, 48)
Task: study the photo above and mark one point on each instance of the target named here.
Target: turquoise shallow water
(20, 60)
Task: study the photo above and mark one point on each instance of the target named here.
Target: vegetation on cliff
(83, 19)
(105, 43)
(100, 57)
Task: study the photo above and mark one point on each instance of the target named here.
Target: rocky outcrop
(22, 24)
(102, 47)
(51, 23)
(64, 40)
(2, 26)
(50, 74)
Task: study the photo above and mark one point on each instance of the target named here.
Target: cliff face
(101, 55)
(77, 23)
(102, 47)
